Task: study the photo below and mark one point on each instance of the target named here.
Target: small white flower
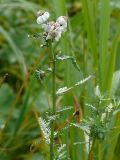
(97, 92)
(109, 108)
(42, 17)
(47, 26)
(103, 116)
(62, 20)
(54, 32)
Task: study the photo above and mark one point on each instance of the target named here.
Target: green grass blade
(115, 82)
(111, 66)
(104, 36)
(90, 27)
(112, 139)
(16, 50)
(59, 7)
(28, 6)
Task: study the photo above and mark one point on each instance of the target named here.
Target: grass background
(93, 37)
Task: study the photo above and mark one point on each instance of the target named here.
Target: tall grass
(104, 36)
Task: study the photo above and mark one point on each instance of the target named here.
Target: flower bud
(42, 17)
(62, 20)
(47, 26)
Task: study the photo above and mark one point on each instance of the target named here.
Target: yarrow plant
(52, 32)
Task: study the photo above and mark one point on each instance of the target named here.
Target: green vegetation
(60, 100)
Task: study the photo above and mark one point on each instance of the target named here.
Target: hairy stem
(53, 101)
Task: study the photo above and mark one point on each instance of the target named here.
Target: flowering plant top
(52, 29)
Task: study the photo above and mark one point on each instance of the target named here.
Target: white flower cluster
(53, 30)
(109, 108)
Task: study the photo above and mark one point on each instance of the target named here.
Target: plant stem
(90, 156)
(53, 101)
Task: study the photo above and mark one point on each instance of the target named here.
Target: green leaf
(16, 50)
(65, 89)
(21, 4)
(65, 57)
(115, 82)
(6, 98)
(112, 61)
(59, 7)
(82, 127)
(104, 36)
(89, 19)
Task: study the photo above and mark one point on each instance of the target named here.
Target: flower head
(53, 29)
(42, 17)
(62, 20)
(47, 26)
